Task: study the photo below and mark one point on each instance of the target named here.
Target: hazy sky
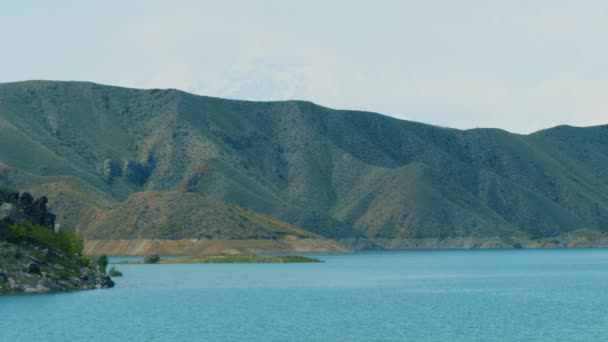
(517, 65)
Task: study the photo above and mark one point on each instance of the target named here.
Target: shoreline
(227, 259)
(210, 248)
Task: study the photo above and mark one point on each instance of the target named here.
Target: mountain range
(127, 164)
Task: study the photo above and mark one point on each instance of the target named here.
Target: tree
(102, 263)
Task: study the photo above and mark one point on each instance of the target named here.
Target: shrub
(102, 263)
(38, 255)
(536, 235)
(113, 272)
(151, 259)
(63, 274)
(85, 261)
(65, 241)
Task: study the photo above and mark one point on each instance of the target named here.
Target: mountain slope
(177, 215)
(359, 178)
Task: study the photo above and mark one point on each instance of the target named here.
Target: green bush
(113, 272)
(38, 255)
(102, 263)
(151, 259)
(85, 261)
(65, 241)
(63, 274)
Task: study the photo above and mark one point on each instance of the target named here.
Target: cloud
(520, 66)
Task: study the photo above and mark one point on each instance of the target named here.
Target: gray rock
(38, 289)
(106, 282)
(65, 284)
(26, 200)
(50, 285)
(18, 287)
(32, 268)
(110, 169)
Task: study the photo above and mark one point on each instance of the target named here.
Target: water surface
(511, 295)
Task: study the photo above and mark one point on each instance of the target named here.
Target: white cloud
(520, 66)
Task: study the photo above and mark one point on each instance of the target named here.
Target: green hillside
(360, 178)
(176, 215)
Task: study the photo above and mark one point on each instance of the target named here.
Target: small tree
(102, 263)
(113, 272)
(151, 259)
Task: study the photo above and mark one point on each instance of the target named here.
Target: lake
(473, 295)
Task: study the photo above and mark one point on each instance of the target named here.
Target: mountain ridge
(352, 176)
(296, 101)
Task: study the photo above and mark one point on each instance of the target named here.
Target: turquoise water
(515, 295)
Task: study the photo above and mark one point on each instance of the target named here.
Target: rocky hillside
(176, 222)
(34, 257)
(362, 179)
(28, 268)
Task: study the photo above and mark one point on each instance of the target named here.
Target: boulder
(26, 208)
(49, 284)
(18, 287)
(32, 268)
(35, 209)
(26, 200)
(105, 282)
(48, 219)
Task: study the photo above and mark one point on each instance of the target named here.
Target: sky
(516, 65)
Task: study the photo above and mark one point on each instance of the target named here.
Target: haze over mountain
(129, 163)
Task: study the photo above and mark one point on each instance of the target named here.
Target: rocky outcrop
(33, 259)
(110, 169)
(26, 268)
(21, 208)
(136, 172)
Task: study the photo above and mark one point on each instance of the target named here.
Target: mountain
(362, 179)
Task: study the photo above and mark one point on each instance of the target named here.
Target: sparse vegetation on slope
(359, 178)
